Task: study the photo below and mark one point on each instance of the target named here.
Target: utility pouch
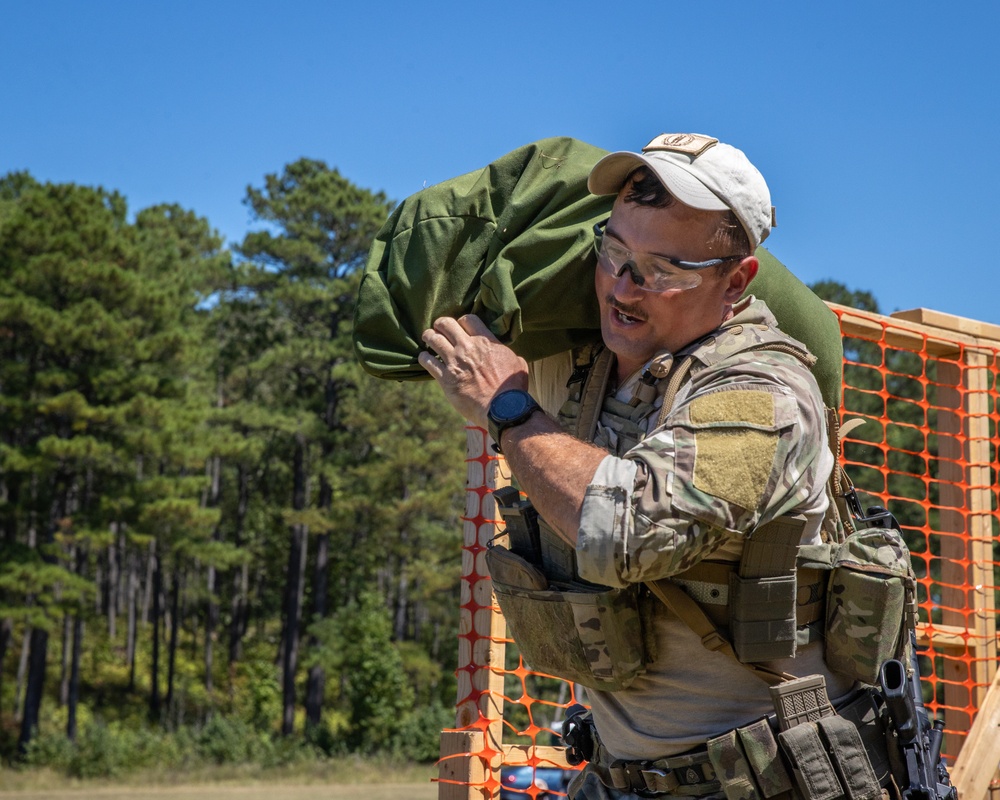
(762, 593)
(811, 766)
(847, 753)
(765, 761)
(829, 760)
(747, 763)
(870, 585)
(581, 632)
(507, 568)
(558, 556)
(762, 617)
(732, 769)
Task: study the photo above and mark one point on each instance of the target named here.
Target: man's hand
(471, 365)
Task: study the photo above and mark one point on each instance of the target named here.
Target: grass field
(387, 791)
(342, 780)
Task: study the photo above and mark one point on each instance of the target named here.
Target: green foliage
(354, 645)
(157, 399)
(106, 751)
(115, 751)
(419, 735)
(231, 741)
(257, 695)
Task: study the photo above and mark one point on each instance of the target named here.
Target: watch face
(510, 404)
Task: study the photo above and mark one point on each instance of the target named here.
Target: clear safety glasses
(648, 272)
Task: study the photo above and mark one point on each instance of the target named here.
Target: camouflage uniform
(744, 442)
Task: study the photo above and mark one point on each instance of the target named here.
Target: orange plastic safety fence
(498, 694)
(928, 451)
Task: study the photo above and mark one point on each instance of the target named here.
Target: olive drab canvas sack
(513, 243)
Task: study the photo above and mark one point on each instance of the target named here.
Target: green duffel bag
(513, 243)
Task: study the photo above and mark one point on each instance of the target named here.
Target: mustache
(629, 309)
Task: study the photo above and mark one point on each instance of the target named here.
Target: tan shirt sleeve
(547, 379)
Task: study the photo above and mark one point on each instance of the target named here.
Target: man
(708, 426)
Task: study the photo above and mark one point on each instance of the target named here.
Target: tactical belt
(690, 775)
(693, 775)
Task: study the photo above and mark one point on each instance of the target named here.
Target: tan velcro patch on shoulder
(734, 463)
(741, 405)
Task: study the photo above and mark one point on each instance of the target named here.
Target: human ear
(739, 278)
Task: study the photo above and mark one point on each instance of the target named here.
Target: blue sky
(876, 124)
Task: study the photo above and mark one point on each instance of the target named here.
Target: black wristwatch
(509, 408)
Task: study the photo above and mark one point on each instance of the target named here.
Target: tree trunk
(38, 658)
(67, 653)
(151, 565)
(317, 675)
(114, 570)
(130, 604)
(124, 572)
(73, 698)
(175, 624)
(212, 605)
(321, 575)
(6, 634)
(211, 623)
(154, 692)
(238, 618)
(22, 675)
(402, 589)
(36, 688)
(402, 594)
(294, 588)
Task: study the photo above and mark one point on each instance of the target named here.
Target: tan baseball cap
(701, 172)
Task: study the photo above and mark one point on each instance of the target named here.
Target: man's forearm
(471, 366)
(553, 469)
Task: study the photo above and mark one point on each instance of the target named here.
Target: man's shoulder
(748, 336)
(751, 352)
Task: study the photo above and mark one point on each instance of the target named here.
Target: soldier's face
(636, 324)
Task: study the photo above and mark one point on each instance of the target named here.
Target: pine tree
(304, 275)
(97, 362)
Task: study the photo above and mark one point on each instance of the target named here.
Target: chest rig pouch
(858, 595)
(564, 626)
(870, 596)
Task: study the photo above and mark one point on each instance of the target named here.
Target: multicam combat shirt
(743, 443)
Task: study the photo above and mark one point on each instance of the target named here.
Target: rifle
(919, 740)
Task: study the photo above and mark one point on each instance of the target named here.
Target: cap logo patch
(692, 144)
